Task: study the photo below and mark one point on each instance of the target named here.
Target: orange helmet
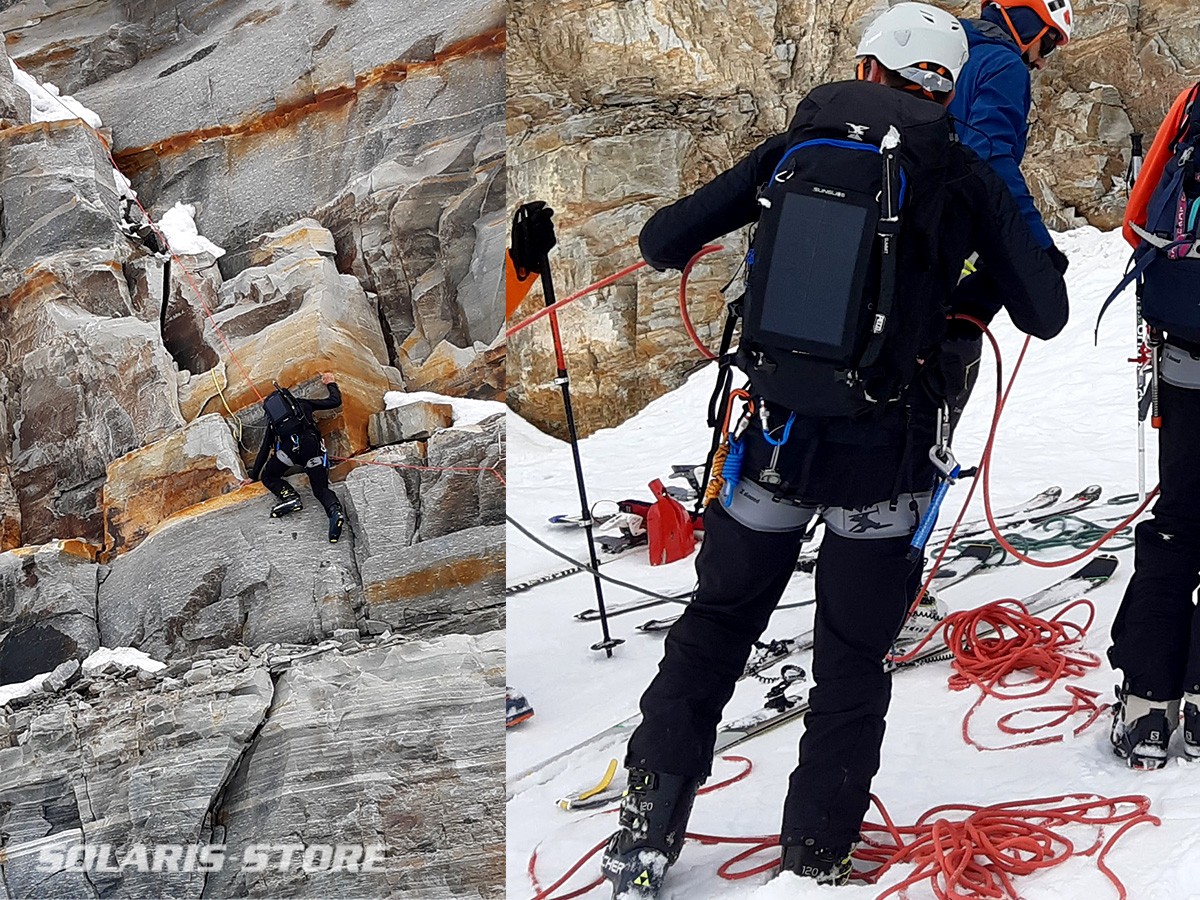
(1058, 19)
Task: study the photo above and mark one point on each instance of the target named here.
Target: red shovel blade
(669, 528)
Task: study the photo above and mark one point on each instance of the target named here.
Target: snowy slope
(1070, 422)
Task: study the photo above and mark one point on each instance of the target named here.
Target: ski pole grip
(916, 547)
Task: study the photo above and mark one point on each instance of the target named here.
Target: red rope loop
(977, 851)
(993, 643)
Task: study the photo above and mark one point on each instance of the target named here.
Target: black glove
(946, 371)
(977, 296)
(1058, 259)
(532, 237)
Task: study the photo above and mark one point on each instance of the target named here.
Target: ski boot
(823, 865)
(654, 814)
(289, 502)
(336, 520)
(1142, 729)
(926, 617)
(516, 708)
(1191, 725)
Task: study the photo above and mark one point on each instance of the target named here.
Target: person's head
(1038, 26)
(914, 47)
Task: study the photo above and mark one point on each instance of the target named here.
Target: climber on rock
(293, 440)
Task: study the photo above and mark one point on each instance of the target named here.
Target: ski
(1080, 501)
(637, 508)
(1093, 574)
(1007, 517)
(973, 559)
(522, 586)
(620, 609)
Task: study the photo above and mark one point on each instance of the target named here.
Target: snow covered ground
(1070, 422)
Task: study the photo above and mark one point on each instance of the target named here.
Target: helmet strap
(1016, 35)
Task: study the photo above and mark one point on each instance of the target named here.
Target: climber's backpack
(826, 332)
(286, 416)
(1166, 264)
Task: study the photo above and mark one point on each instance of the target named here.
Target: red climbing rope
(962, 850)
(590, 289)
(984, 471)
(454, 469)
(994, 642)
(683, 307)
(612, 279)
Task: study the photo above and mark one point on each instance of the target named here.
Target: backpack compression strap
(888, 232)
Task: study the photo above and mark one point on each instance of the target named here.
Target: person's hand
(327, 378)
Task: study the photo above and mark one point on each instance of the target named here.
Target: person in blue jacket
(990, 109)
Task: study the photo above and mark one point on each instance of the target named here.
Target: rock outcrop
(234, 748)
(617, 109)
(348, 156)
(382, 120)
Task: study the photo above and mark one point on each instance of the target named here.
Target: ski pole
(535, 217)
(1135, 160)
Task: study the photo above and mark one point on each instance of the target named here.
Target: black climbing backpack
(832, 324)
(1166, 264)
(286, 416)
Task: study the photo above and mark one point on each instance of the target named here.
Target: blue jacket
(991, 112)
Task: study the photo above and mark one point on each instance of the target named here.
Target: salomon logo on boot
(1191, 725)
(654, 814)
(336, 521)
(1141, 730)
(823, 865)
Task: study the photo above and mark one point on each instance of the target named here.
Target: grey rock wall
(380, 119)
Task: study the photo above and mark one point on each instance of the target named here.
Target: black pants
(1156, 634)
(864, 588)
(318, 480)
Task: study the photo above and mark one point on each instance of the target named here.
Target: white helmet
(922, 43)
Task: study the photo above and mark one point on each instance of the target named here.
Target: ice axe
(668, 528)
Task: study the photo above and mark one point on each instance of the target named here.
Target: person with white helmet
(862, 214)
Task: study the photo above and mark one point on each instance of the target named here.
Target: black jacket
(980, 214)
(332, 401)
(861, 461)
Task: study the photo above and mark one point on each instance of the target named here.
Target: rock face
(47, 608)
(149, 485)
(436, 564)
(227, 573)
(291, 319)
(438, 703)
(410, 422)
(383, 120)
(113, 374)
(234, 748)
(348, 155)
(617, 109)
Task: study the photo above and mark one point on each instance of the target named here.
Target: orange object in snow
(668, 527)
